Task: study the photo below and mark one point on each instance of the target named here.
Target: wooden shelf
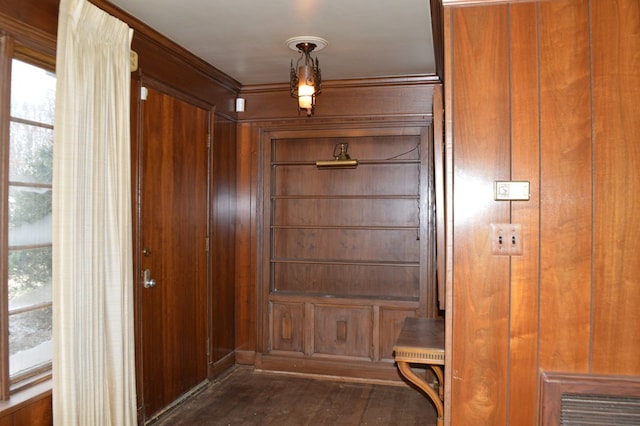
(346, 197)
(291, 296)
(346, 262)
(323, 298)
(361, 228)
(360, 162)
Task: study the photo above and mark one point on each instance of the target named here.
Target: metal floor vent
(585, 409)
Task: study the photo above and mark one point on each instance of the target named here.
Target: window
(28, 209)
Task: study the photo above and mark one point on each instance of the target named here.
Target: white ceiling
(246, 39)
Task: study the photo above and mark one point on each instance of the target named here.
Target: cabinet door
(391, 321)
(288, 323)
(343, 331)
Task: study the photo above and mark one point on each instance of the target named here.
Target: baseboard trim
(222, 365)
(245, 357)
(335, 369)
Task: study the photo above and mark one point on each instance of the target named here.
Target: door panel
(173, 237)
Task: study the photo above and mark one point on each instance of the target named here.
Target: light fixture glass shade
(306, 89)
(305, 101)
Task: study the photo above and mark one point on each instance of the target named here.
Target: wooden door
(173, 163)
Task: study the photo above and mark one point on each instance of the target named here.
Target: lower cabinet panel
(343, 331)
(390, 324)
(336, 332)
(287, 321)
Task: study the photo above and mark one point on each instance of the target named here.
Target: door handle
(148, 282)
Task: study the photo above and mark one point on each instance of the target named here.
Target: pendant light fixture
(305, 78)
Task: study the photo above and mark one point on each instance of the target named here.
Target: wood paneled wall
(615, 33)
(35, 411)
(542, 91)
(364, 99)
(223, 232)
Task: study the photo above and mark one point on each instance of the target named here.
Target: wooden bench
(421, 341)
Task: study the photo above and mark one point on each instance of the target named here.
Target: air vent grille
(585, 409)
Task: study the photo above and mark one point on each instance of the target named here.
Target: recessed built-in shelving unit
(346, 245)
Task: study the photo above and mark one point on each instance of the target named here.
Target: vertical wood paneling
(439, 193)
(574, 293)
(565, 288)
(245, 294)
(481, 155)
(616, 92)
(222, 238)
(448, 191)
(525, 164)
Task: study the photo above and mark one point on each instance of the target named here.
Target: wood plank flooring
(248, 397)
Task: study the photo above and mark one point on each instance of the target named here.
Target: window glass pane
(29, 222)
(29, 277)
(32, 92)
(29, 340)
(31, 156)
(29, 216)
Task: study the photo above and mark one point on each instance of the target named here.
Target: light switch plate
(518, 190)
(506, 239)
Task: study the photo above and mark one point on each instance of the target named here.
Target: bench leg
(406, 371)
(438, 371)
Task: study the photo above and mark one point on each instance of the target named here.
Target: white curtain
(93, 342)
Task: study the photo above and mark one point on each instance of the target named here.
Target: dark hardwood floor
(248, 397)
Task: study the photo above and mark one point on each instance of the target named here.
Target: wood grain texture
(40, 15)
(341, 100)
(616, 96)
(447, 22)
(574, 131)
(437, 32)
(287, 327)
(481, 150)
(344, 243)
(245, 239)
(565, 107)
(222, 238)
(32, 407)
(343, 330)
(525, 165)
(38, 413)
(173, 223)
(439, 194)
(391, 321)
